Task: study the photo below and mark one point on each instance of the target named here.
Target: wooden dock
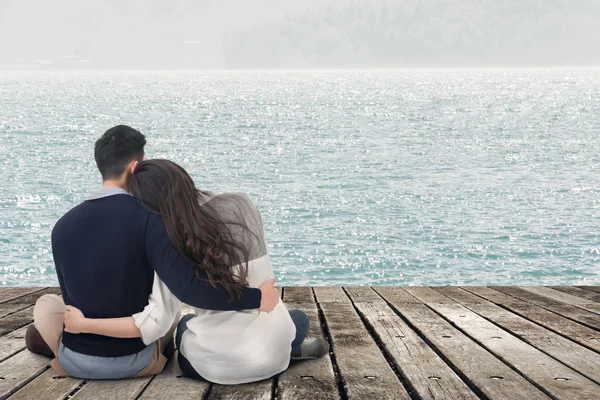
(387, 343)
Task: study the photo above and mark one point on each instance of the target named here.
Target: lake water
(363, 177)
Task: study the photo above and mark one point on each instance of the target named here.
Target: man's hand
(270, 296)
(75, 321)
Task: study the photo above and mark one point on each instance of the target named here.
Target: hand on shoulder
(270, 296)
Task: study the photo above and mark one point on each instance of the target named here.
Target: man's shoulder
(74, 212)
(125, 204)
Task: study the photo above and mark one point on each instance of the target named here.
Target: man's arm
(179, 275)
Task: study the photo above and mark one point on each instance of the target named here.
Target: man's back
(100, 256)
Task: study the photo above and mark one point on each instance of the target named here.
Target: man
(106, 251)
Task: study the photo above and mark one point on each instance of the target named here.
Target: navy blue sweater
(106, 251)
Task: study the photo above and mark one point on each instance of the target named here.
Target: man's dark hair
(116, 148)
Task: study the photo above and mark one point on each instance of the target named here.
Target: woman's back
(231, 347)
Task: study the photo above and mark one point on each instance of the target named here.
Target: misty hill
(290, 34)
(425, 33)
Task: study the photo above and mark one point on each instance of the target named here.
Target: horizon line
(315, 69)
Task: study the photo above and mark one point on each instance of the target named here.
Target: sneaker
(311, 348)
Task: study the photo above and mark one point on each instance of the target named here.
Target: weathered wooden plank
(564, 298)
(428, 296)
(12, 343)
(363, 294)
(579, 333)
(477, 365)
(10, 293)
(548, 373)
(170, 384)
(464, 296)
(429, 376)
(520, 294)
(309, 378)
(258, 390)
(562, 313)
(330, 294)
(396, 295)
(581, 359)
(19, 303)
(109, 390)
(590, 288)
(492, 294)
(18, 370)
(48, 386)
(15, 321)
(568, 311)
(363, 368)
(575, 291)
(298, 294)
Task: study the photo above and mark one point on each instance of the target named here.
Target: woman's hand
(75, 321)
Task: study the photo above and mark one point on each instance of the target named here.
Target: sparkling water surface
(408, 177)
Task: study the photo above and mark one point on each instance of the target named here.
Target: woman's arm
(150, 324)
(158, 316)
(76, 322)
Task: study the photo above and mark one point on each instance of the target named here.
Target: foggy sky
(188, 34)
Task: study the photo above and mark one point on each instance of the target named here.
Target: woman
(222, 235)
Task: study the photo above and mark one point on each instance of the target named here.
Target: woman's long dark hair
(196, 230)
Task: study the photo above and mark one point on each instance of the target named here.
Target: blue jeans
(299, 318)
(184, 364)
(302, 324)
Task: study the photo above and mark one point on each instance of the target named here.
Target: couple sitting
(147, 240)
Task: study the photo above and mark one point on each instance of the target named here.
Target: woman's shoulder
(237, 196)
(238, 200)
(235, 207)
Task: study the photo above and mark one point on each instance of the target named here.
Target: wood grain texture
(481, 368)
(48, 386)
(329, 294)
(551, 375)
(307, 378)
(575, 291)
(590, 288)
(427, 373)
(581, 359)
(170, 384)
(363, 294)
(564, 298)
(16, 320)
(19, 370)
(258, 390)
(364, 370)
(396, 295)
(492, 294)
(298, 294)
(109, 390)
(10, 293)
(25, 301)
(566, 310)
(12, 343)
(387, 343)
(573, 330)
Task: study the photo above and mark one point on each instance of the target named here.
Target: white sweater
(228, 347)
